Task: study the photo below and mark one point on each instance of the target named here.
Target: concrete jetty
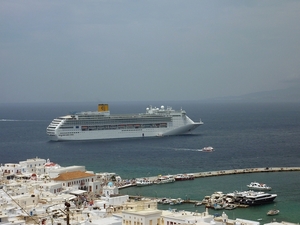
(226, 172)
(246, 170)
(221, 173)
(237, 171)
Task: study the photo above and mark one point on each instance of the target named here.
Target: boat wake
(15, 120)
(7, 120)
(205, 149)
(188, 149)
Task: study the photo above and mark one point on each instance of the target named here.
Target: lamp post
(67, 204)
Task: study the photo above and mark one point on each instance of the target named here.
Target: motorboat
(258, 186)
(166, 201)
(207, 149)
(272, 212)
(180, 177)
(165, 179)
(143, 182)
(218, 206)
(176, 201)
(230, 206)
(198, 203)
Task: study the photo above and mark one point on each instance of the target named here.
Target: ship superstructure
(102, 125)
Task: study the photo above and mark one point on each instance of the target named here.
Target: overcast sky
(118, 50)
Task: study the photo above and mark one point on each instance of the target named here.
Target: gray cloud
(145, 50)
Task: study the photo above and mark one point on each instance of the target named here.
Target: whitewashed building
(141, 213)
(30, 165)
(79, 179)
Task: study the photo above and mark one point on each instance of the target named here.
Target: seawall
(247, 170)
(236, 171)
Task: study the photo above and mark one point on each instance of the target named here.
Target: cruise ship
(102, 125)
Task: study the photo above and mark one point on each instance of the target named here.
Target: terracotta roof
(73, 176)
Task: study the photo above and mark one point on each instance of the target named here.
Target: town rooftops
(73, 176)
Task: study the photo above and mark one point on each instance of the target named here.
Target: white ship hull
(105, 126)
(111, 134)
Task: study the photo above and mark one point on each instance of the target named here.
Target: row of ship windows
(125, 126)
(120, 127)
(101, 117)
(70, 133)
(125, 121)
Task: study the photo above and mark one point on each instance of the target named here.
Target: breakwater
(246, 170)
(237, 171)
(218, 173)
(222, 173)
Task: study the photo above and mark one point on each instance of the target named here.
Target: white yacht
(258, 198)
(165, 179)
(143, 182)
(258, 186)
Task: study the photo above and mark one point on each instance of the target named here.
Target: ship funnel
(103, 108)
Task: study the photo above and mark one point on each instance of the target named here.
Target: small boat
(198, 203)
(176, 201)
(272, 212)
(161, 200)
(143, 182)
(180, 177)
(258, 186)
(166, 201)
(219, 206)
(230, 206)
(207, 149)
(165, 179)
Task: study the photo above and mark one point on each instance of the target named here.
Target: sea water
(243, 136)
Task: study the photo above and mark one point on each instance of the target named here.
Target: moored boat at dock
(165, 179)
(258, 198)
(143, 182)
(181, 177)
(258, 186)
(176, 201)
(230, 206)
(219, 200)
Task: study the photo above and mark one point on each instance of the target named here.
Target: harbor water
(243, 136)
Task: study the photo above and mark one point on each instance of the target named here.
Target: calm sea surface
(243, 136)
